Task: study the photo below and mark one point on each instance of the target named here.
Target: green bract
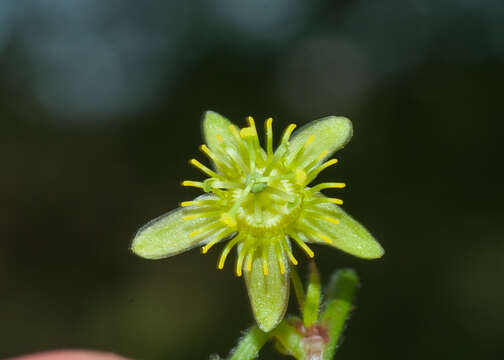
(260, 201)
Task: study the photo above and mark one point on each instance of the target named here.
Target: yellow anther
(280, 257)
(226, 251)
(300, 177)
(309, 141)
(288, 132)
(335, 201)
(191, 217)
(324, 238)
(323, 154)
(228, 220)
(234, 131)
(239, 262)
(292, 258)
(323, 186)
(264, 258)
(206, 150)
(219, 138)
(250, 258)
(269, 136)
(207, 247)
(203, 168)
(329, 163)
(281, 265)
(302, 245)
(331, 220)
(192, 183)
(195, 232)
(251, 121)
(187, 203)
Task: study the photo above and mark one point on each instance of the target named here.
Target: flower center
(269, 207)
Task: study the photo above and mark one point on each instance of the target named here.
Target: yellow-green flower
(259, 201)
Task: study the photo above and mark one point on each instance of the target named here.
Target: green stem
(249, 345)
(341, 293)
(298, 287)
(312, 299)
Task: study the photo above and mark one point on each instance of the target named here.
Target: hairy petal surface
(331, 134)
(348, 235)
(269, 294)
(170, 234)
(215, 126)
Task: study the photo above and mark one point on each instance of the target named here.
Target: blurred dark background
(100, 108)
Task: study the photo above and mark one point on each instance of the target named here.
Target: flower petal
(214, 126)
(330, 134)
(169, 234)
(348, 235)
(268, 294)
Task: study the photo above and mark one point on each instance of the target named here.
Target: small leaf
(340, 293)
(348, 235)
(168, 234)
(330, 134)
(269, 293)
(215, 126)
(250, 344)
(312, 300)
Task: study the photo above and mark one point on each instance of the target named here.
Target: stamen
(302, 244)
(322, 154)
(220, 161)
(235, 132)
(235, 157)
(196, 184)
(251, 122)
(205, 229)
(316, 213)
(289, 252)
(313, 173)
(329, 185)
(335, 201)
(282, 148)
(207, 247)
(241, 256)
(287, 133)
(324, 238)
(279, 254)
(188, 203)
(204, 169)
(250, 258)
(216, 184)
(264, 257)
(309, 141)
(197, 203)
(320, 199)
(269, 137)
(331, 220)
(302, 150)
(226, 251)
(315, 161)
(218, 237)
(203, 214)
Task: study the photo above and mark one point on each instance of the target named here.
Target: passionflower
(259, 202)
